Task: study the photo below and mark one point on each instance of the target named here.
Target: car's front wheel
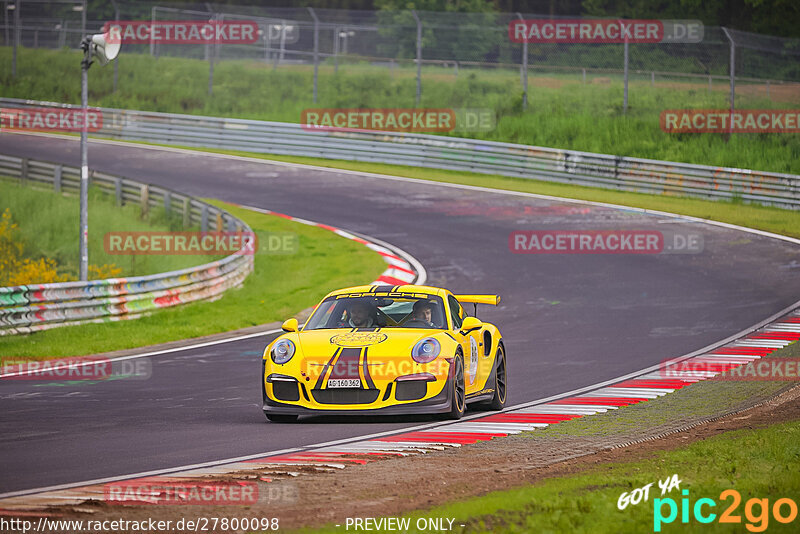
(280, 417)
(499, 399)
(458, 397)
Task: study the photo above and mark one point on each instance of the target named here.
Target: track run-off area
(568, 320)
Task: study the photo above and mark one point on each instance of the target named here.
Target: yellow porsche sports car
(385, 350)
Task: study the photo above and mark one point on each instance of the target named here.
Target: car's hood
(383, 342)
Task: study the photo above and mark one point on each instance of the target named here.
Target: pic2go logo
(756, 511)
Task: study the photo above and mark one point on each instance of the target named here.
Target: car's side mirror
(290, 325)
(470, 324)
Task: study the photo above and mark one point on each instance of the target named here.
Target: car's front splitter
(440, 403)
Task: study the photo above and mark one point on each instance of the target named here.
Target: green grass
(280, 286)
(48, 225)
(770, 219)
(563, 112)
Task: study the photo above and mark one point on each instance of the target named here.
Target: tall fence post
(5, 22)
(523, 71)
(153, 25)
(316, 50)
(17, 7)
(212, 52)
(83, 18)
(116, 59)
(625, 76)
(419, 55)
(336, 49)
(732, 75)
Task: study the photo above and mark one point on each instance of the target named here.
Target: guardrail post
(167, 202)
(118, 191)
(23, 170)
(187, 212)
(57, 178)
(218, 226)
(144, 199)
(204, 218)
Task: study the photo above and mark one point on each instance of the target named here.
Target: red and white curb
(326, 457)
(400, 270)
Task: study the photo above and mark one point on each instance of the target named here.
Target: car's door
(470, 345)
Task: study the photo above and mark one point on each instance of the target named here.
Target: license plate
(344, 383)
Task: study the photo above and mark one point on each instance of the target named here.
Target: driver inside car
(359, 315)
(421, 313)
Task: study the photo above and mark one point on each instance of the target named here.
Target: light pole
(95, 47)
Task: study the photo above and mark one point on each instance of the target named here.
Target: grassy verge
(281, 285)
(770, 219)
(48, 227)
(757, 463)
(563, 111)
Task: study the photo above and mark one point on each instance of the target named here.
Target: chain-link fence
(432, 45)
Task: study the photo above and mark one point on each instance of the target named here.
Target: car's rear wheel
(458, 397)
(280, 417)
(499, 399)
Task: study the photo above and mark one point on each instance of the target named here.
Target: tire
(280, 417)
(500, 384)
(458, 398)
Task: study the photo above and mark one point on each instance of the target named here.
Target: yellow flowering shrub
(101, 272)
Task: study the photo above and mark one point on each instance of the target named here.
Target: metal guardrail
(29, 308)
(451, 153)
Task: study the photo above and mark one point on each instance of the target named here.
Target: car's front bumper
(440, 403)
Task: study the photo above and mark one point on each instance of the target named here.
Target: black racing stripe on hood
(321, 379)
(346, 365)
(370, 383)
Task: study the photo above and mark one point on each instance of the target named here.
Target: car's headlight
(426, 350)
(282, 351)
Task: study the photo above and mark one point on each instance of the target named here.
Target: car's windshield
(384, 310)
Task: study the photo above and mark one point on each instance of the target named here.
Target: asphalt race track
(569, 320)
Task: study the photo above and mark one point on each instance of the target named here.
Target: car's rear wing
(493, 300)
